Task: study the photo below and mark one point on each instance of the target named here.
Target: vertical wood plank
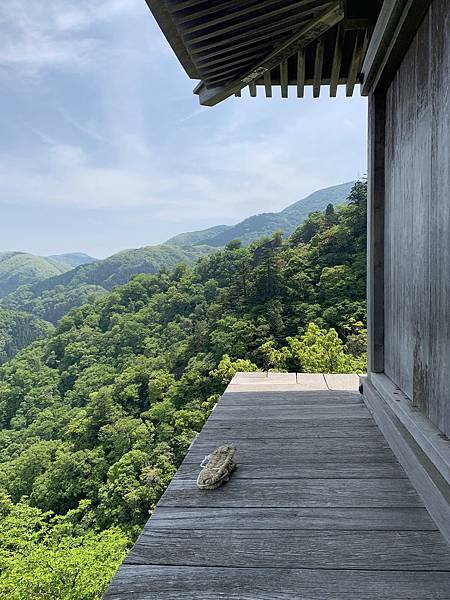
(268, 83)
(318, 63)
(337, 59)
(300, 73)
(284, 79)
(417, 220)
(375, 232)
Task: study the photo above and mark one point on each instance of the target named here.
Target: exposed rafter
(308, 33)
(318, 63)
(268, 84)
(355, 63)
(232, 44)
(337, 60)
(301, 73)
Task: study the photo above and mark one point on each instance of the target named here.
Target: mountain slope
(21, 268)
(52, 298)
(256, 226)
(73, 259)
(96, 418)
(18, 330)
(191, 238)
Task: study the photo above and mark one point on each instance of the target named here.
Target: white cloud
(126, 134)
(226, 180)
(47, 33)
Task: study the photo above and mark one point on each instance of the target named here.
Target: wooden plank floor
(318, 509)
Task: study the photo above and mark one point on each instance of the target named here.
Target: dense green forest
(54, 297)
(50, 295)
(20, 268)
(257, 226)
(97, 416)
(18, 330)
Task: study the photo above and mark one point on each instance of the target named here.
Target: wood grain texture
(297, 430)
(271, 493)
(375, 233)
(319, 508)
(331, 519)
(290, 398)
(331, 413)
(261, 450)
(405, 550)
(362, 468)
(417, 220)
(291, 452)
(185, 583)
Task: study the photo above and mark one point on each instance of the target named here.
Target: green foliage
(18, 330)
(321, 351)
(45, 556)
(227, 368)
(53, 297)
(266, 224)
(20, 268)
(96, 417)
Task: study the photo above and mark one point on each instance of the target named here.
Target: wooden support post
(375, 232)
(300, 73)
(318, 62)
(284, 79)
(268, 83)
(337, 59)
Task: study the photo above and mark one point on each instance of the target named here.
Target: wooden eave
(231, 44)
(396, 26)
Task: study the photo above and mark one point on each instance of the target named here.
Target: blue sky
(103, 146)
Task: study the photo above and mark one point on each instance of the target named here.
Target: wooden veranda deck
(318, 508)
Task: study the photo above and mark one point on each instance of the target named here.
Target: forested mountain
(192, 238)
(18, 330)
(55, 296)
(257, 226)
(73, 259)
(21, 268)
(97, 416)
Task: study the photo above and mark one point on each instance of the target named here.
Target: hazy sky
(103, 146)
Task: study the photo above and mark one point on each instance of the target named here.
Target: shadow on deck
(318, 508)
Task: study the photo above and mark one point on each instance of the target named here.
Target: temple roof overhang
(231, 44)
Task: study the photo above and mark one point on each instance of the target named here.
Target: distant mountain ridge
(21, 268)
(73, 259)
(50, 297)
(257, 226)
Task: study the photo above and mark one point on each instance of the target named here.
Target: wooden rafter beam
(355, 63)
(210, 10)
(264, 22)
(337, 60)
(305, 35)
(232, 66)
(225, 58)
(268, 83)
(233, 15)
(284, 78)
(258, 33)
(301, 73)
(318, 64)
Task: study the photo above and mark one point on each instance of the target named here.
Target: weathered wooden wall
(417, 221)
